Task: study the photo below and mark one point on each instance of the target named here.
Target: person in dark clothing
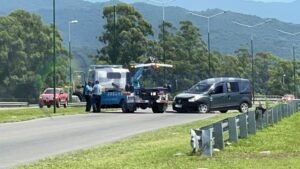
(87, 94)
(259, 108)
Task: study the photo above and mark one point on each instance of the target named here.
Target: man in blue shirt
(87, 94)
(97, 91)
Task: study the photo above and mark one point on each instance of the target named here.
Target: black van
(220, 94)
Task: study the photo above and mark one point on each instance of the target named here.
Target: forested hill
(225, 36)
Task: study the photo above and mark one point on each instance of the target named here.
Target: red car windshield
(50, 91)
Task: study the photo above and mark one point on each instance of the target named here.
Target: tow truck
(122, 90)
(140, 97)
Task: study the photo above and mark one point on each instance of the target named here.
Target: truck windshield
(199, 88)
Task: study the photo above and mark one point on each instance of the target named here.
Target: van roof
(220, 79)
(105, 66)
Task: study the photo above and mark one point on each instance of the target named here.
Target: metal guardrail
(14, 104)
(26, 104)
(212, 136)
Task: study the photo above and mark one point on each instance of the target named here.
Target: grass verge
(169, 149)
(14, 115)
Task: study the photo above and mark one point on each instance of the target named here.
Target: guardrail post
(280, 109)
(285, 110)
(251, 122)
(232, 129)
(289, 110)
(218, 135)
(259, 122)
(207, 145)
(271, 119)
(243, 125)
(265, 119)
(275, 113)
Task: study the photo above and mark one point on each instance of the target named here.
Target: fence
(213, 136)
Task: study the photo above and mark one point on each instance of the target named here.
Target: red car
(46, 98)
(288, 97)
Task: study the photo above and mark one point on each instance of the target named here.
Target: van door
(233, 94)
(217, 96)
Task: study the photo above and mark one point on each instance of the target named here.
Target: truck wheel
(143, 107)
(48, 106)
(159, 108)
(125, 108)
(41, 105)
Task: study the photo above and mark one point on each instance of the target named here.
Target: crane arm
(136, 78)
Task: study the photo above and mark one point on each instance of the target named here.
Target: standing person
(97, 91)
(87, 94)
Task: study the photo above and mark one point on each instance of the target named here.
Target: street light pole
(54, 60)
(294, 57)
(252, 67)
(252, 51)
(208, 35)
(283, 81)
(294, 70)
(163, 3)
(70, 59)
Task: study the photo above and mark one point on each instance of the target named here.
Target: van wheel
(244, 107)
(202, 108)
(223, 111)
(58, 104)
(66, 104)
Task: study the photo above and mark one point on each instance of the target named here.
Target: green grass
(14, 115)
(169, 149)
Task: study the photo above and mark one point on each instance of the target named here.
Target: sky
(248, 0)
(274, 0)
(284, 10)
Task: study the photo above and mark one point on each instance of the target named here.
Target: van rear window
(113, 75)
(233, 87)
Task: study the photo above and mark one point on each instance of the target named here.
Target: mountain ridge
(225, 37)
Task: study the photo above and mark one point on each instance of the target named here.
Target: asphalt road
(27, 141)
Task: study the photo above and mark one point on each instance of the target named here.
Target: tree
(125, 36)
(191, 51)
(26, 54)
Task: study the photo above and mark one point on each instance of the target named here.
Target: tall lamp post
(252, 50)
(208, 35)
(294, 58)
(70, 58)
(163, 3)
(54, 60)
